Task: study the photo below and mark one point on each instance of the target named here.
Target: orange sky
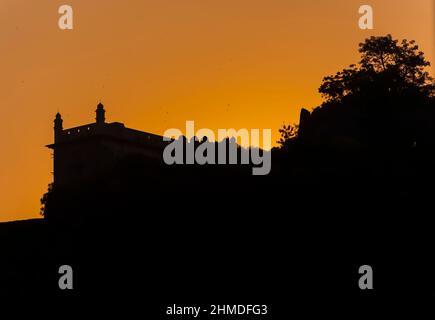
(157, 63)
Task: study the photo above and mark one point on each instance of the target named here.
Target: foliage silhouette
(287, 132)
(385, 101)
(399, 67)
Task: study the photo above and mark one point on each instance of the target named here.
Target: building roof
(114, 131)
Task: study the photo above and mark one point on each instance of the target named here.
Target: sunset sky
(157, 63)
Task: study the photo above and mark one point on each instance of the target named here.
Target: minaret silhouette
(100, 114)
(58, 127)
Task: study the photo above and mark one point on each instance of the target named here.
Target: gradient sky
(157, 63)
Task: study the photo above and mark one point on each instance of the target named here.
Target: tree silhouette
(287, 133)
(45, 199)
(399, 66)
(385, 100)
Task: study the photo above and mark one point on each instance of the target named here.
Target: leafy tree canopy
(398, 66)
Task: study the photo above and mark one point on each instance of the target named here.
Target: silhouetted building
(86, 152)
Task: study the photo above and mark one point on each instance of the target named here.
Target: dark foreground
(296, 247)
